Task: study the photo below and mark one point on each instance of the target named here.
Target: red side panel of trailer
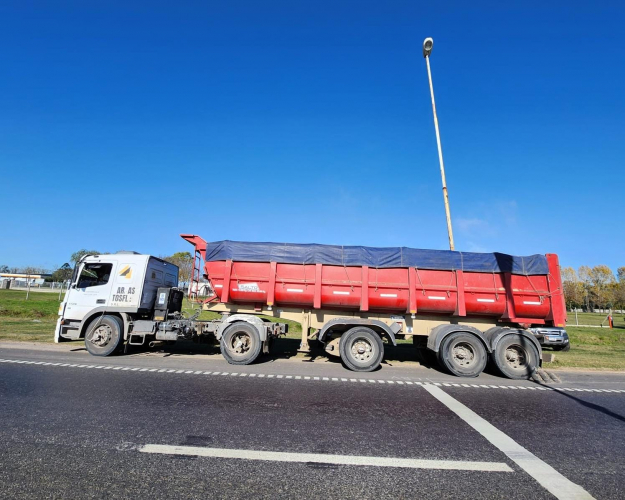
(514, 298)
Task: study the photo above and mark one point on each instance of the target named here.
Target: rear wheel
(104, 335)
(516, 357)
(361, 349)
(462, 354)
(240, 343)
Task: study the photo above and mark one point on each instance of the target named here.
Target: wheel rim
(101, 336)
(362, 349)
(464, 355)
(240, 343)
(516, 357)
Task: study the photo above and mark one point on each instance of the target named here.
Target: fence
(53, 286)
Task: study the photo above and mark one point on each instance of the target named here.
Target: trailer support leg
(304, 346)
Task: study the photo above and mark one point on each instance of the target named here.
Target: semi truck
(467, 309)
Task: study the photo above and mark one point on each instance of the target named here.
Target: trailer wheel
(463, 355)
(361, 349)
(240, 343)
(104, 335)
(516, 357)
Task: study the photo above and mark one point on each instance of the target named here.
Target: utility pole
(428, 43)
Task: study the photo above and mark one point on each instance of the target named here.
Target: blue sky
(123, 124)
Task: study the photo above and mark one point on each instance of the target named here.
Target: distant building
(21, 279)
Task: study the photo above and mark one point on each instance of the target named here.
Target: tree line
(592, 288)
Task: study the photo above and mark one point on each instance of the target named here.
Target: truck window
(94, 275)
(156, 276)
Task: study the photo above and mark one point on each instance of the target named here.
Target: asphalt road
(159, 425)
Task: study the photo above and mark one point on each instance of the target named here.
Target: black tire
(240, 343)
(462, 354)
(104, 335)
(563, 348)
(361, 349)
(516, 357)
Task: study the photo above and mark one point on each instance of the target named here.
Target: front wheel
(463, 354)
(361, 349)
(516, 357)
(240, 343)
(104, 335)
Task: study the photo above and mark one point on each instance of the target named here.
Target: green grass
(594, 319)
(28, 320)
(34, 320)
(39, 304)
(592, 348)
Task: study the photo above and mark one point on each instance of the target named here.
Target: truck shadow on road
(592, 406)
(288, 348)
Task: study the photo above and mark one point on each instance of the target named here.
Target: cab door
(91, 289)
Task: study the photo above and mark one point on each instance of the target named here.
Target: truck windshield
(94, 275)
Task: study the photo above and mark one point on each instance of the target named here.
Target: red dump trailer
(466, 307)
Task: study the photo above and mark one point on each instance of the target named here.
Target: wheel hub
(241, 343)
(362, 350)
(463, 354)
(101, 336)
(516, 357)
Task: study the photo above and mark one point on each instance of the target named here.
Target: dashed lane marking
(273, 456)
(306, 377)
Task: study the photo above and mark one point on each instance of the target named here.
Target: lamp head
(428, 43)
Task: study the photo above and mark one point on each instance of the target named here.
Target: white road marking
(332, 379)
(274, 456)
(549, 478)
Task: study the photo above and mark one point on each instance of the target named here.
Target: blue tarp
(312, 253)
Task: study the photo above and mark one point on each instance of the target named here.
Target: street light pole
(427, 49)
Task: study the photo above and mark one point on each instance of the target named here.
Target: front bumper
(552, 341)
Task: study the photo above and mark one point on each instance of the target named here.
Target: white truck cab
(123, 283)
(127, 298)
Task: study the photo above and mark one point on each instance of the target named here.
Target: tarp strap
(420, 282)
(345, 267)
(235, 273)
(495, 287)
(451, 283)
(540, 297)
